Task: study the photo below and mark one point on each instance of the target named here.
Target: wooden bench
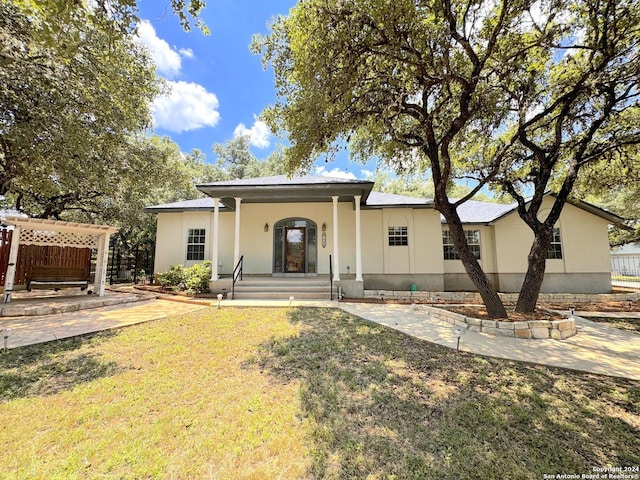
(58, 277)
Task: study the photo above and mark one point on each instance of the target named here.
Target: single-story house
(284, 227)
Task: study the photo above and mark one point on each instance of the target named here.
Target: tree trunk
(493, 303)
(537, 259)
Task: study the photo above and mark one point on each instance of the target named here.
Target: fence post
(135, 267)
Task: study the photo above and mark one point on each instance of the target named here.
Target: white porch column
(215, 240)
(236, 246)
(102, 258)
(13, 259)
(336, 252)
(358, 240)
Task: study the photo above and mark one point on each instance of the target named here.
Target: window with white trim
(398, 236)
(195, 244)
(555, 249)
(449, 249)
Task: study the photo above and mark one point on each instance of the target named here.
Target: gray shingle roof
(380, 199)
(473, 211)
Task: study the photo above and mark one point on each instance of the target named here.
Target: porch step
(281, 288)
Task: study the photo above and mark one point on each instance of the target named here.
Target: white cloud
(258, 133)
(186, 52)
(334, 173)
(188, 106)
(167, 60)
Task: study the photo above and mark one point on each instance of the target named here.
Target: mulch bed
(479, 311)
(474, 311)
(541, 313)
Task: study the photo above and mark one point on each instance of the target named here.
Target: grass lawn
(299, 393)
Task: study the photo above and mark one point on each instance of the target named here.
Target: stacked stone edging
(470, 297)
(534, 329)
(22, 310)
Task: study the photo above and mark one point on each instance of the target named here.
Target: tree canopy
(68, 112)
(511, 93)
(235, 160)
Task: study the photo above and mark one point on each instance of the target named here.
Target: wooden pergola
(36, 231)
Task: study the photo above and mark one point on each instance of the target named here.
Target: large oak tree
(69, 112)
(465, 88)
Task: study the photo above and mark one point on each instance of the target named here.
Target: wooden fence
(30, 256)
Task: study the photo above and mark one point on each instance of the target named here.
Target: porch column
(358, 240)
(215, 240)
(336, 253)
(236, 246)
(13, 259)
(102, 258)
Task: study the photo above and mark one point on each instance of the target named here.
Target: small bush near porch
(299, 393)
(192, 280)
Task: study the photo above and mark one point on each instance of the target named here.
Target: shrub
(174, 277)
(192, 280)
(196, 278)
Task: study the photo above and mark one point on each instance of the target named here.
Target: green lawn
(299, 393)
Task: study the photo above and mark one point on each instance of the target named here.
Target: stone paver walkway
(597, 348)
(27, 330)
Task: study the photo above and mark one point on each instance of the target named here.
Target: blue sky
(218, 87)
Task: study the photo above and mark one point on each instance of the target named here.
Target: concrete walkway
(597, 348)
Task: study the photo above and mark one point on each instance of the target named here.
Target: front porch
(298, 237)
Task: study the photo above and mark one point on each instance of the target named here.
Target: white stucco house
(284, 227)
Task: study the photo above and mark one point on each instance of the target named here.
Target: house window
(473, 239)
(555, 249)
(195, 244)
(398, 236)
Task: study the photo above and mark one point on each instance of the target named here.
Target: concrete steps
(281, 288)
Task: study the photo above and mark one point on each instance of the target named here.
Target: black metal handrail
(237, 272)
(330, 277)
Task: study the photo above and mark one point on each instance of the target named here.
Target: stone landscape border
(534, 329)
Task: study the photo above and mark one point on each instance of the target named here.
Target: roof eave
(289, 192)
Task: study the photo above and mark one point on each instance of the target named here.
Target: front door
(294, 249)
